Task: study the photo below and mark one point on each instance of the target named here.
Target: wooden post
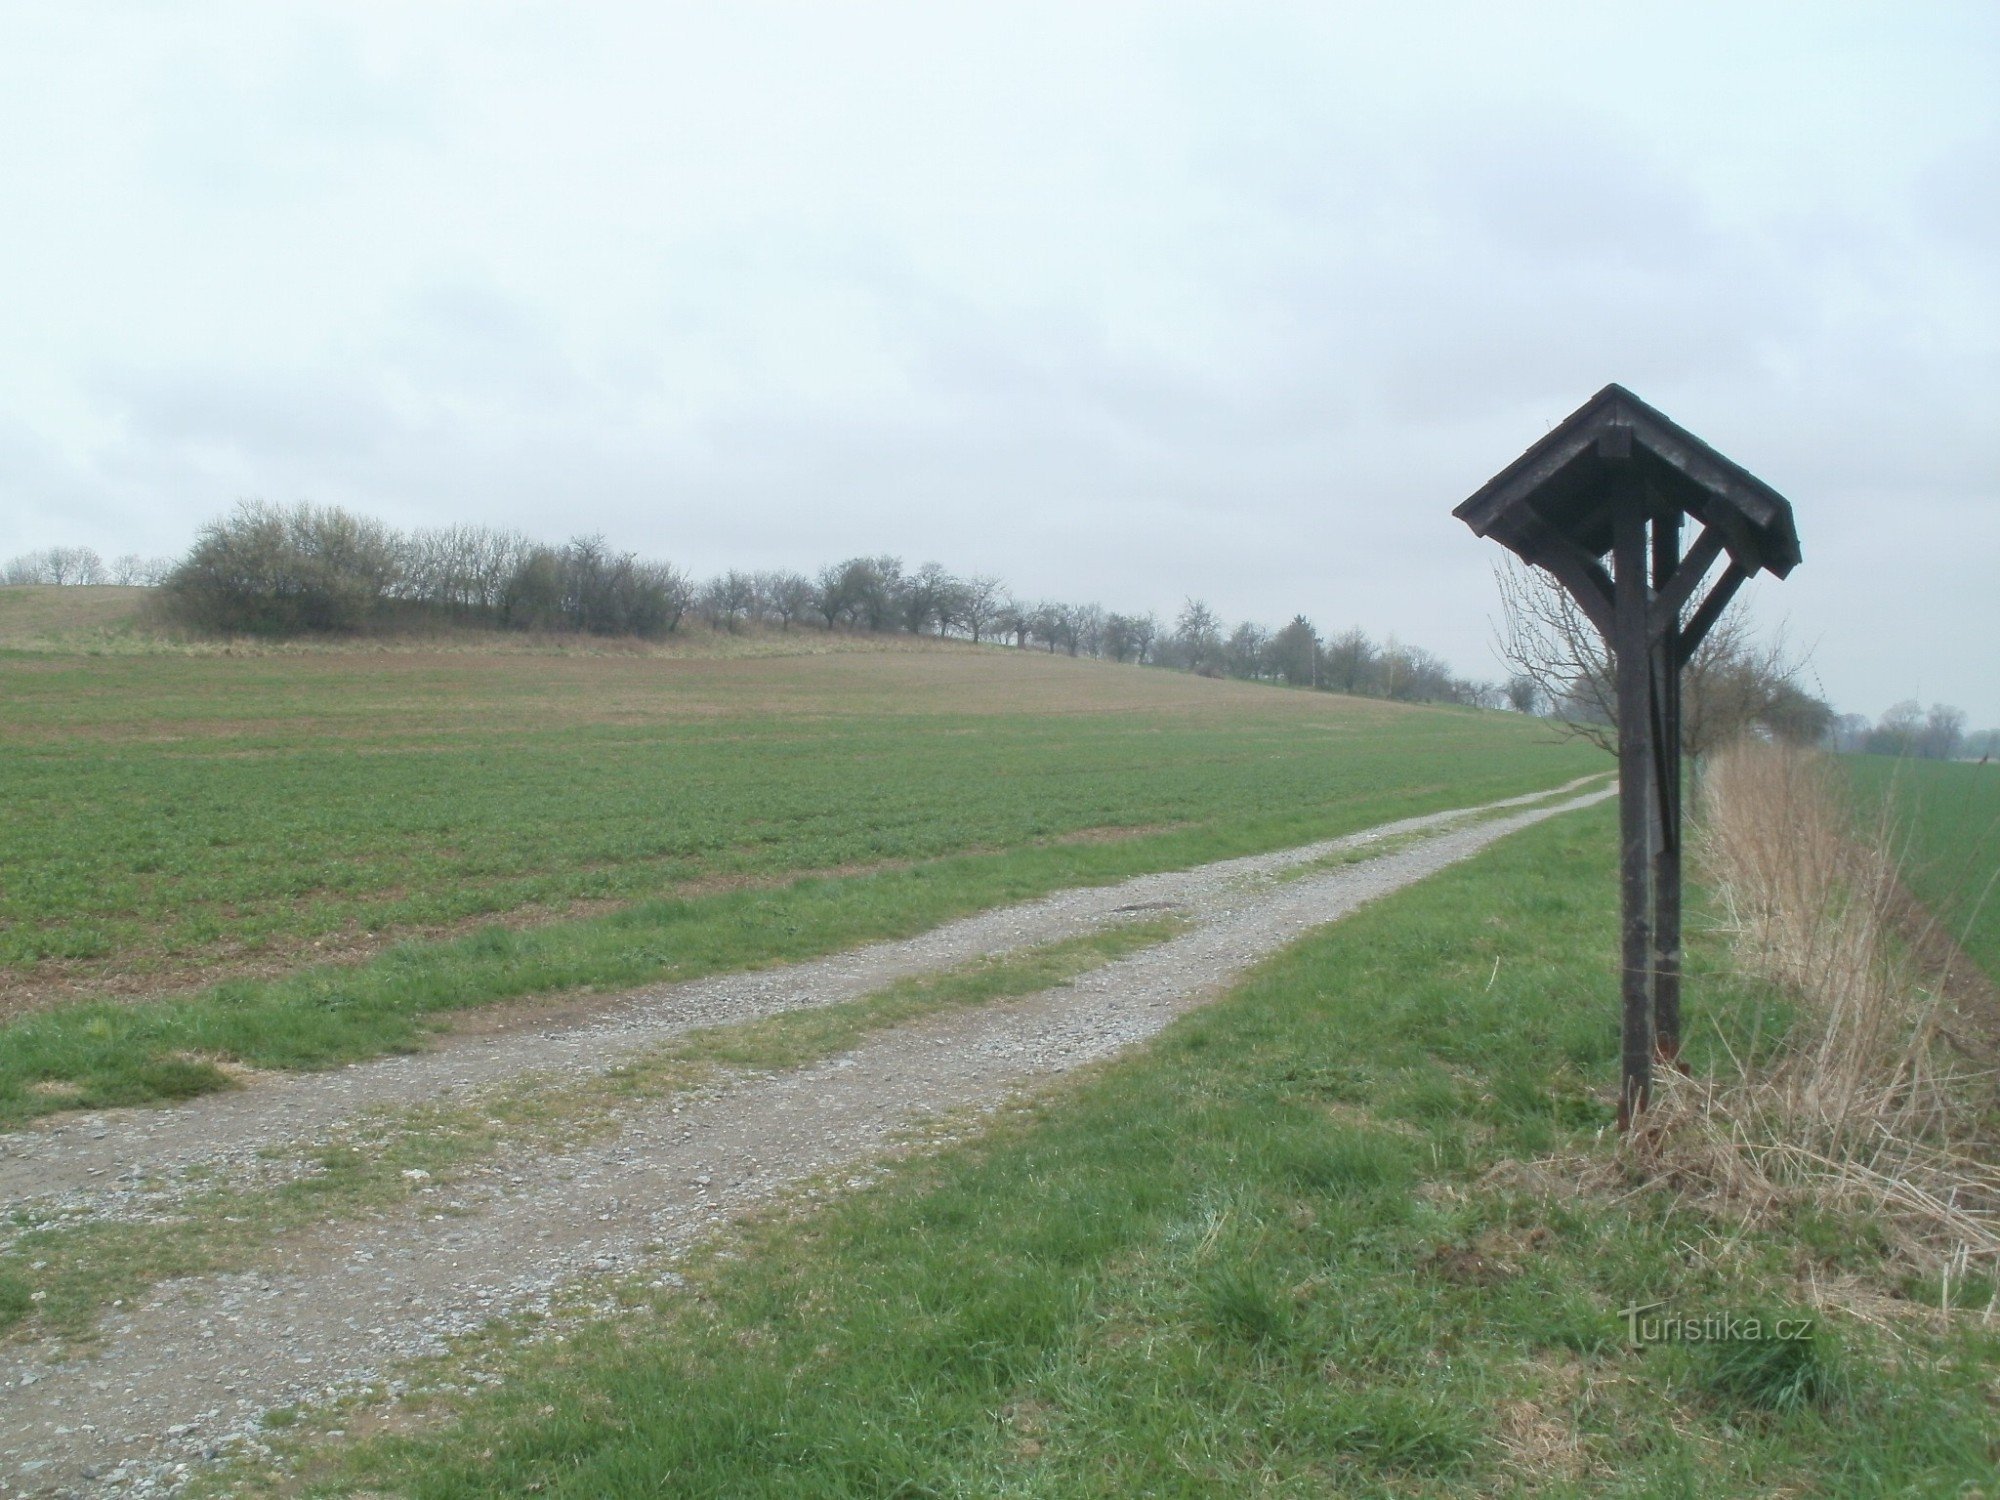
(1636, 791)
(1665, 625)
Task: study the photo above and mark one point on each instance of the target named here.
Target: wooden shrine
(1600, 503)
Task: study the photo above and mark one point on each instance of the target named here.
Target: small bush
(284, 570)
(307, 569)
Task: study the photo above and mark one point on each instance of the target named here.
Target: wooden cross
(1617, 479)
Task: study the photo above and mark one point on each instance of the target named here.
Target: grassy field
(166, 812)
(1353, 1229)
(320, 848)
(1947, 817)
(70, 619)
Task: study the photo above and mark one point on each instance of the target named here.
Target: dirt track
(187, 1372)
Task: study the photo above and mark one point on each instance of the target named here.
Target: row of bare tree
(82, 565)
(1911, 731)
(295, 569)
(284, 570)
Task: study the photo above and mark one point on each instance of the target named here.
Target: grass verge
(57, 1277)
(1299, 1245)
(1867, 1098)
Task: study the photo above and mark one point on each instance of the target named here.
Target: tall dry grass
(1856, 1103)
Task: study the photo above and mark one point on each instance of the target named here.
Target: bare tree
(1015, 619)
(1051, 624)
(1118, 642)
(1733, 684)
(460, 571)
(135, 571)
(1129, 637)
(1144, 633)
(830, 594)
(1198, 638)
(1556, 652)
(1086, 628)
(57, 565)
(879, 591)
(725, 602)
(979, 603)
(1349, 662)
(789, 596)
(927, 597)
(1243, 652)
(865, 591)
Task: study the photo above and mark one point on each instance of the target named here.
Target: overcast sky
(1119, 302)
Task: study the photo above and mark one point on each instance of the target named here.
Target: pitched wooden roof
(1562, 486)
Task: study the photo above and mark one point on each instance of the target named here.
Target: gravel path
(185, 1374)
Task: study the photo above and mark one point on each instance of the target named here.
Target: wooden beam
(1584, 577)
(1669, 568)
(1666, 546)
(1671, 597)
(1635, 794)
(1732, 579)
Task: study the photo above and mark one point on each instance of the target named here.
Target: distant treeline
(81, 565)
(308, 569)
(1909, 731)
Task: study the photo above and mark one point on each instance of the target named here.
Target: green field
(1946, 820)
(164, 812)
(308, 851)
(1350, 1230)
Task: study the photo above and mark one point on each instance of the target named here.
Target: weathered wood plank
(1733, 578)
(1683, 578)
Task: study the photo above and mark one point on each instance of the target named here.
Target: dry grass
(33, 615)
(1858, 1104)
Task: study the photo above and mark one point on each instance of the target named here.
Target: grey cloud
(1569, 191)
(462, 338)
(280, 129)
(264, 415)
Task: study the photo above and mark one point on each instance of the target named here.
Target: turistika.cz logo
(1650, 1325)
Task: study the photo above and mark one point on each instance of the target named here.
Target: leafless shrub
(1858, 1104)
(1735, 683)
(133, 571)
